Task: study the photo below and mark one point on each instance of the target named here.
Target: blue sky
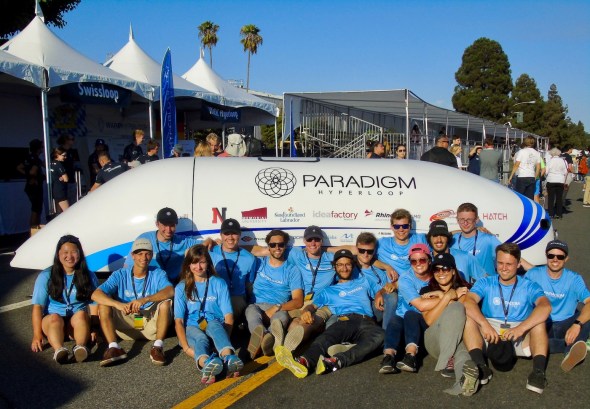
(353, 45)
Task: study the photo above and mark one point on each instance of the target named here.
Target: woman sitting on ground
(61, 301)
(203, 316)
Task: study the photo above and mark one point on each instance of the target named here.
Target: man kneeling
(134, 303)
(349, 299)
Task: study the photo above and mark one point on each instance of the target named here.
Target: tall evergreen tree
(484, 81)
(555, 125)
(526, 90)
(208, 36)
(251, 39)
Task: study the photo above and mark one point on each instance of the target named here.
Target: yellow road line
(244, 388)
(212, 390)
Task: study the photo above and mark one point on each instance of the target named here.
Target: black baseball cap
(167, 216)
(230, 226)
(438, 228)
(313, 232)
(445, 260)
(557, 244)
(343, 253)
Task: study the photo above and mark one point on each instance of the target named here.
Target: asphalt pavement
(33, 380)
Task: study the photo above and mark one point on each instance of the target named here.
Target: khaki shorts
(521, 346)
(324, 312)
(125, 324)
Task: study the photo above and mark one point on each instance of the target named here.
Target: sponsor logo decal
(331, 214)
(347, 238)
(443, 215)
(218, 215)
(368, 213)
(359, 185)
(290, 216)
(255, 215)
(494, 216)
(275, 182)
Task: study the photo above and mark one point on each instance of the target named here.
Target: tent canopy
(19, 68)
(38, 45)
(202, 75)
(135, 63)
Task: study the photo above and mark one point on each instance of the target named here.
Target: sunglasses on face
(342, 265)
(441, 269)
(313, 239)
(416, 261)
(404, 226)
(401, 150)
(560, 257)
(367, 251)
(279, 245)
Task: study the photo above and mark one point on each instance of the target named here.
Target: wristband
(578, 322)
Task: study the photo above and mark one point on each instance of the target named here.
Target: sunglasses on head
(368, 251)
(416, 261)
(314, 239)
(279, 245)
(404, 226)
(440, 269)
(560, 257)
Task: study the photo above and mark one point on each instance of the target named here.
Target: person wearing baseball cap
(236, 265)
(407, 314)
(567, 328)
(135, 303)
(350, 300)
(439, 239)
(93, 164)
(168, 247)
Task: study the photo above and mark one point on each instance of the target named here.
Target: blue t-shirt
(274, 284)
(351, 297)
(396, 255)
(167, 255)
(520, 306)
(482, 246)
(50, 306)
(325, 271)
(217, 303)
(237, 268)
(467, 265)
(373, 274)
(564, 293)
(120, 285)
(409, 289)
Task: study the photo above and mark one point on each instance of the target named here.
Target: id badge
(343, 318)
(309, 296)
(202, 324)
(503, 328)
(138, 322)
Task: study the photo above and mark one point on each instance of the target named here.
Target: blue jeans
(390, 304)
(200, 341)
(364, 333)
(556, 333)
(412, 326)
(255, 316)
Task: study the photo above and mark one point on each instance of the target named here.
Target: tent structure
(21, 69)
(202, 75)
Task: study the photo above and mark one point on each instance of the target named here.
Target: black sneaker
(485, 374)
(449, 370)
(536, 381)
(408, 364)
(387, 365)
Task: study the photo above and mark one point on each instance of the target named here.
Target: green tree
(251, 39)
(526, 90)
(484, 81)
(16, 15)
(268, 132)
(208, 37)
(554, 114)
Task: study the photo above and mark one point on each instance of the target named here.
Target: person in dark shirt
(32, 168)
(152, 152)
(109, 170)
(377, 150)
(93, 165)
(440, 153)
(59, 180)
(133, 151)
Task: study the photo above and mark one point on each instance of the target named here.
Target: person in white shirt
(556, 170)
(527, 166)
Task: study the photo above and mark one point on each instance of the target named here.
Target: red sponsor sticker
(442, 215)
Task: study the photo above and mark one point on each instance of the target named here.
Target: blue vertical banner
(293, 149)
(167, 107)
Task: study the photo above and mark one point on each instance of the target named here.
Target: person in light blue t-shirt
(394, 250)
(278, 289)
(203, 317)
(61, 301)
(567, 328)
(135, 303)
(349, 299)
(511, 320)
(169, 247)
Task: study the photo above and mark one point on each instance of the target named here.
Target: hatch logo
(275, 182)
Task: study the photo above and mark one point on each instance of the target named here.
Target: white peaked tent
(202, 75)
(133, 62)
(21, 69)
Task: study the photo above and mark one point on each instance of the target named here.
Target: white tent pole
(407, 118)
(151, 114)
(276, 140)
(223, 136)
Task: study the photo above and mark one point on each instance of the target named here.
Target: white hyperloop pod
(343, 196)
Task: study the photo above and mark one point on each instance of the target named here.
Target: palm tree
(208, 37)
(251, 39)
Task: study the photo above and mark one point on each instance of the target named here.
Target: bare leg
(106, 323)
(471, 335)
(163, 319)
(80, 325)
(53, 328)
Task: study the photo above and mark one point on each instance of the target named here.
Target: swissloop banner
(167, 107)
(95, 93)
(218, 113)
